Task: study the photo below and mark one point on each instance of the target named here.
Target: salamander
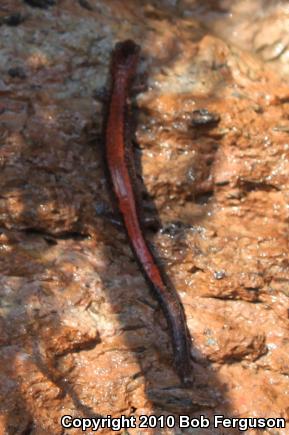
(118, 152)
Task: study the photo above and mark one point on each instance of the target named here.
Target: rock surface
(80, 332)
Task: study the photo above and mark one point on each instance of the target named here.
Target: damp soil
(81, 334)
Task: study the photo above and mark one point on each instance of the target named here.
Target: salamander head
(125, 56)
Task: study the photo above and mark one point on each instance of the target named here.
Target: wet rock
(204, 117)
(81, 333)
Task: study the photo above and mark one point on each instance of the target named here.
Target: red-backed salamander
(124, 62)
